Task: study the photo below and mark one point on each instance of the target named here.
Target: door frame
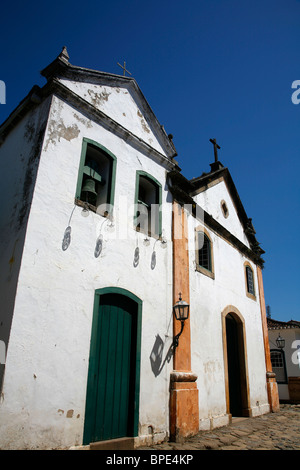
(242, 346)
(87, 432)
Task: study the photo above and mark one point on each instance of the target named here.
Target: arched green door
(113, 383)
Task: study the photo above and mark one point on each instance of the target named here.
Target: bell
(89, 186)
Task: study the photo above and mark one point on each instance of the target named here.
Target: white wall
(44, 390)
(208, 298)
(210, 201)
(19, 158)
(291, 354)
(121, 104)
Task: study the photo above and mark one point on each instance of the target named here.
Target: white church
(132, 304)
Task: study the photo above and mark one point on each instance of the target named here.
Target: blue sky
(208, 68)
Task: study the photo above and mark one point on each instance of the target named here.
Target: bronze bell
(89, 186)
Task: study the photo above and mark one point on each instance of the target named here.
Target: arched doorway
(235, 361)
(112, 402)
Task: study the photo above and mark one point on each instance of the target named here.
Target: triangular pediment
(118, 97)
(216, 193)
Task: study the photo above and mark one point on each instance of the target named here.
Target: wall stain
(29, 131)
(58, 130)
(30, 174)
(86, 122)
(143, 122)
(98, 99)
(70, 413)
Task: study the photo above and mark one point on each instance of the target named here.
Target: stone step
(124, 443)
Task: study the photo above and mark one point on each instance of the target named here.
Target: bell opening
(88, 192)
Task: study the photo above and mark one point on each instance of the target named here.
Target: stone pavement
(272, 431)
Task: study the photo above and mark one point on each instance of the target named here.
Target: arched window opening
(96, 178)
(204, 254)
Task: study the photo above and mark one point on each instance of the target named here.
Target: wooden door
(111, 388)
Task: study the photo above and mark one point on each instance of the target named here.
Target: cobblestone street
(272, 431)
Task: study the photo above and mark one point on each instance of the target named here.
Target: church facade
(101, 237)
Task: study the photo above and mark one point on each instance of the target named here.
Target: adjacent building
(284, 339)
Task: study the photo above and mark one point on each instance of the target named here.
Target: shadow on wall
(156, 357)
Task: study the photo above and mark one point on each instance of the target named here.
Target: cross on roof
(124, 68)
(216, 146)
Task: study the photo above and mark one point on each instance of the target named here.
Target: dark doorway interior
(234, 366)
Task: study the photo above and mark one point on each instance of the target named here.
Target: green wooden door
(112, 375)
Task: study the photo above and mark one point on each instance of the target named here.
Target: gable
(118, 97)
(217, 201)
(122, 105)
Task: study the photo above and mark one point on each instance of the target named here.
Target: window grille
(204, 253)
(278, 365)
(250, 280)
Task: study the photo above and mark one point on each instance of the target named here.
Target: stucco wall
(43, 401)
(209, 298)
(210, 201)
(19, 159)
(121, 104)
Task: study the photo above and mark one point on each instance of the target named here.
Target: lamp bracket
(176, 338)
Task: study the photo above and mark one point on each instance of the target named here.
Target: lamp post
(181, 311)
(280, 342)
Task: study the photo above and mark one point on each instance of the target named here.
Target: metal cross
(216, 146)
(124, 68)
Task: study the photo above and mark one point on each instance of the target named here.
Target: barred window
(204, 254)
(250, 280)
(278, 365)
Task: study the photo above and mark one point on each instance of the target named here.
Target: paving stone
(272, 431)
(211, 444)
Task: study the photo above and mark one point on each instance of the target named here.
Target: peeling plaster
(143, 122)
(97, 99)
(58, 130)
(86, 122)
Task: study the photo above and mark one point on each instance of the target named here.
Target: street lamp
(181, 311)
(280, 342)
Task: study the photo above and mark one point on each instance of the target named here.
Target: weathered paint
(54, 303)
(121, 104)
(184, 408)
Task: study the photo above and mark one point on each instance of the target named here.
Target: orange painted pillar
(184, 407)
(272, 387)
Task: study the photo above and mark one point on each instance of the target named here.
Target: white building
(89, 275)
(284, 339)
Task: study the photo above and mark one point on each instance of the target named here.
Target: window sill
(204, 271)
(149, 234)
(91, 208)
(251, 296)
